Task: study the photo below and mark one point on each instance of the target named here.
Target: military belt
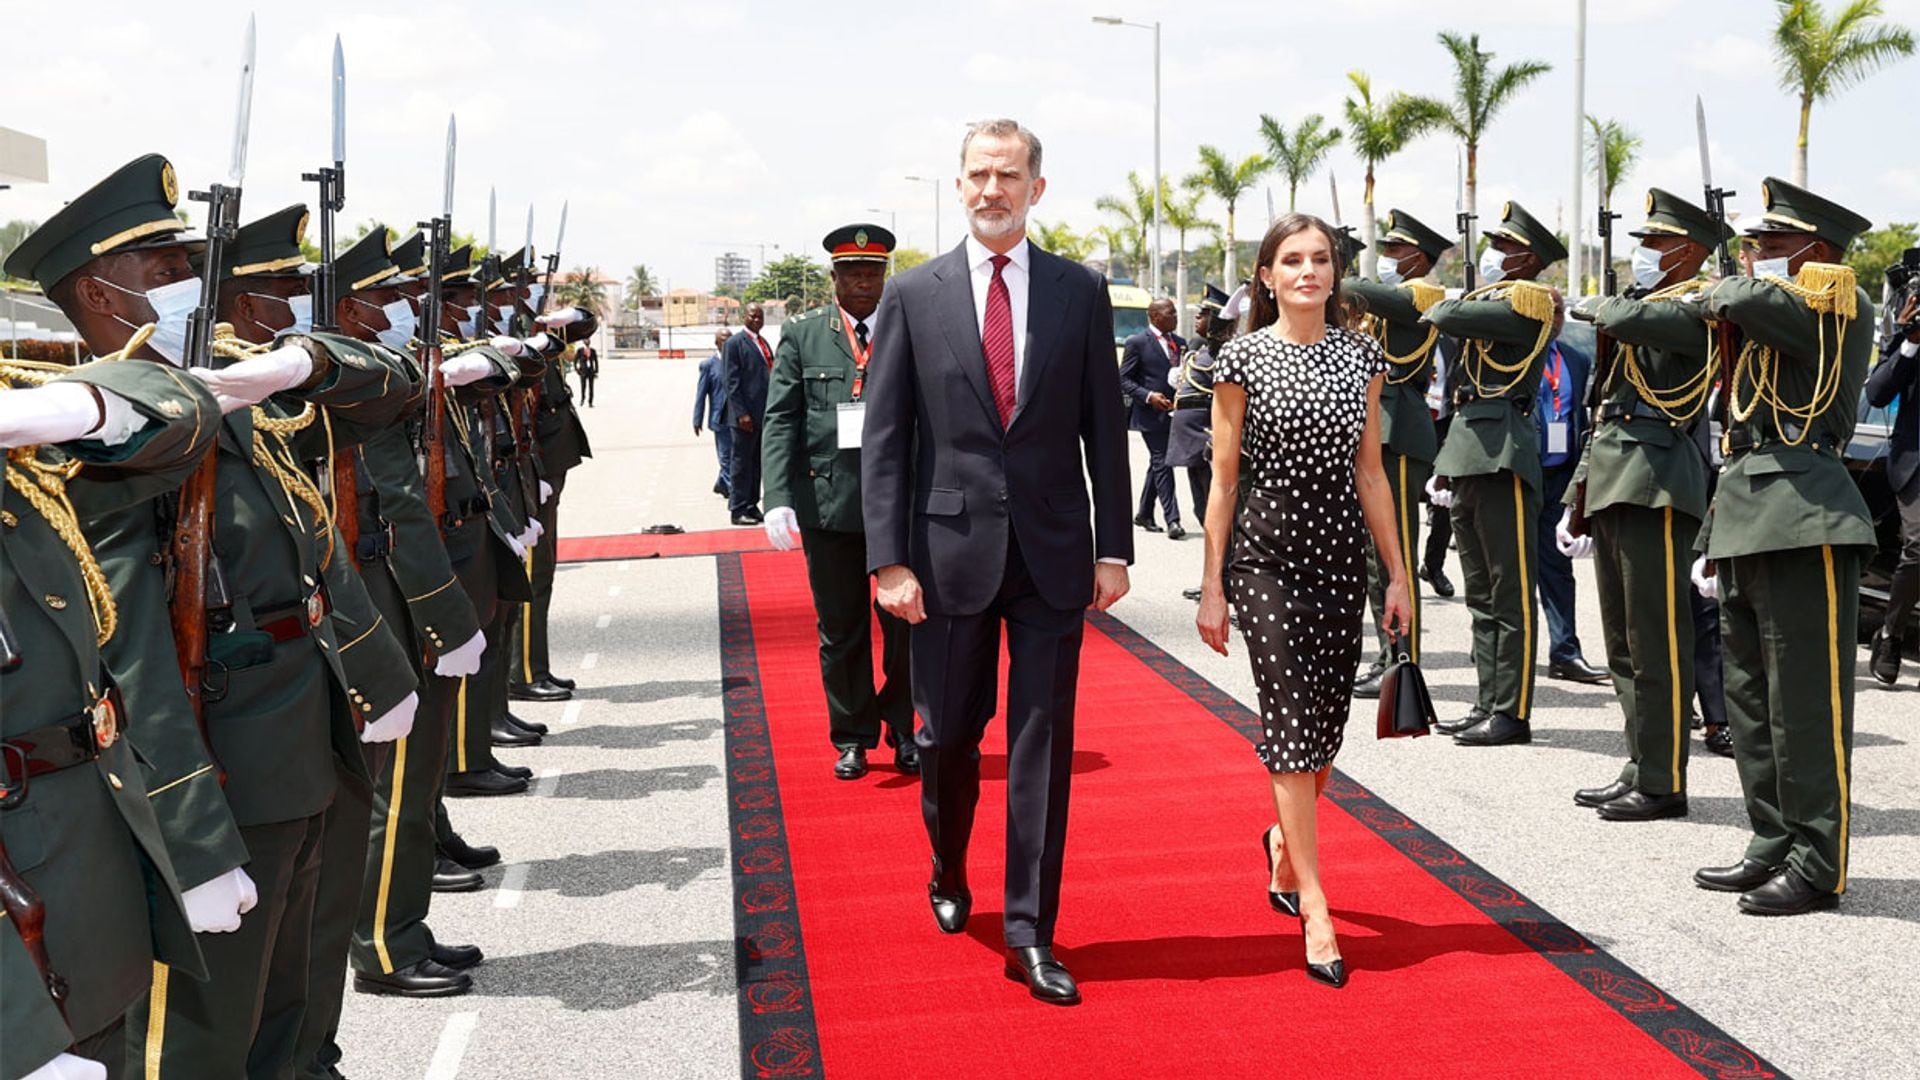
(293, 623)
(462, 509)
(1742, 440)
(374, 546)
(64, 744)
(1193, 403)
(1631, 410)
(1524, 405)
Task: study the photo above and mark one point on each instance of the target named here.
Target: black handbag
(1406, 709)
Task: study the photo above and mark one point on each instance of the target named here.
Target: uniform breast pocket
(826, 386)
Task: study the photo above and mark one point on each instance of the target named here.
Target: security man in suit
(1897, 377)
(1146, 361)
(1190, 427)
(810, 447)
(1783, 547)
(1640, 492)
(1394, 306)
(748, 359)
(710, 408)
(1490, 467)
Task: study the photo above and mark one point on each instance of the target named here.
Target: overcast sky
(681, 129)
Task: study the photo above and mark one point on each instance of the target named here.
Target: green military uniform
(1644, 485)
(84, 835)
(1787, 533)
(1408, 440)
(563, 445)
(818, 370)
(1491, 458)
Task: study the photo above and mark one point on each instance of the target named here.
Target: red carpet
(1185, 970)
(654, 546)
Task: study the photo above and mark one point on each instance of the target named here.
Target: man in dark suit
(1145, 364)
(1898, 376)
(748, 359)
(710, 407)
(993, 373)
(586, 364)
(1561, 415)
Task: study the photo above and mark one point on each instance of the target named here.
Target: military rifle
(433, 441)
(1603, 347)
(9, 646)
(28, 913)
(1724, 333)
(332, 180)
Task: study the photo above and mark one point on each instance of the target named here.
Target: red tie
(996, 337)
(764, 351)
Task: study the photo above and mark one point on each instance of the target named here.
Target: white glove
(464, 660)
(783, 528)
(546, 493)
(511, 346)
(252, 381)
(215, 907)
(1706, 585)
(531, 537)
(1438, 496)
(55, 413)
(519, 549)
(465, 368)
(394, 724)
(68, 1067)
(540, 342)
(566, 316)
(1573, 547)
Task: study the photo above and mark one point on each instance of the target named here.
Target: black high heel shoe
(1333, 972)
(1286, 903)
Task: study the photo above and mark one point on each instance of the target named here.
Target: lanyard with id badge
(851, 416)
(1559, 430)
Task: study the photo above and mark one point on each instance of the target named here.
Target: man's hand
(1109, 584)
(465, 368)
(215, 907)
(1573, 547)
(1706, 578)
(696, 431)
(746, 423)
(1910, 317)
(1438, 494)
(464, 660)
(251, 381)
(1160, 401)
(783, 528)
(69, 1067)
(395, 724)
(899, 593)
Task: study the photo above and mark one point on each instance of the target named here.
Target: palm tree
(640, 285)
(1115, 240)
(583, 288)
(1184, 216)
(1379, 130)
(1135, 213)
(1819, 58)
(1060, 239)
(1300, 152)
(1613, 149)
(1226, 181)
(1478, 93)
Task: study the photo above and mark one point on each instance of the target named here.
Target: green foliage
(1060, 239)
(796, 279)
(1377, 130)
(1818, 57)
(906, 258)
(580, 289)
(1478, 90)
(1614, 147)
(1873, 252)
(12, 233)
(1134, 214)
(1298, 151)
(640, 285)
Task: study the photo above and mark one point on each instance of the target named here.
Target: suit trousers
(1555, 571)
(1904, 590)
(955, 660)
(743, 471)
(1641, 557)
(244, 1021)
(1439, 520)
(527, 630)
(842, 592)
(1199, 486)
(1407, 480)
(1709, 687)
(1496, 522)
(586, 388)
(1159, 480)
(1787, 621)
(723, 449)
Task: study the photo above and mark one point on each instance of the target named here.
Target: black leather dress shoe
(720, 489)
(1496, 730)
(1718, 740)
(852, 764)
(1788, 894)
(517, 772)
(1577, 670)
(1637, 805)
(1883, 658)
(744, 519)
(533, 726)
(1047, 979)
(455, 847)
(1368, 684)
(457, 957)
(1596, 796)
(534, 691)
(1740, 877)
(1175, 532)
(450, 876)
(906, 757)
(567, 684)
(505, 734)
(478, 782)
(424, 979)
(1147, 524)
(951, 899)
(1475, 716)
(1436, 578)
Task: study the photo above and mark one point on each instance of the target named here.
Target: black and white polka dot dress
(1296, 568)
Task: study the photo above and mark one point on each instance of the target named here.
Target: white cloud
(1734, 57)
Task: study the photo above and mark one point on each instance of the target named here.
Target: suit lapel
(1044, 272)
(954, 297)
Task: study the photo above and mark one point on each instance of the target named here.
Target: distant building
(732, 271)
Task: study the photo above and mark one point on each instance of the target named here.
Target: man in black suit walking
(1145, 364)
(994, 374)
(748, 360)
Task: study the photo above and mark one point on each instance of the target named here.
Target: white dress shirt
(1166, 344)
(980, 265)
(852, 321)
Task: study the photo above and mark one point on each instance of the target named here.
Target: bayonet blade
(562, 234)
(243, 115)
(1700, 127)
(446, 202)
(528, 246)
(491, 215)
(1333, 185)
(339, 104)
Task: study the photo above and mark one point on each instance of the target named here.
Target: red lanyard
(1553, 379)
(860, 356)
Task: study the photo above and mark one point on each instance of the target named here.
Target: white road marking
(588, 661)
(613, 590)
(512, 882)
(548, 782)
(453, 1046)
(603, 622)
(571, 714)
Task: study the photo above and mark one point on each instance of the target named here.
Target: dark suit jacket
(1573, 398)
(710, 397)
(746, 373)
(943, 486)
(1145, 369)
(1898, 376)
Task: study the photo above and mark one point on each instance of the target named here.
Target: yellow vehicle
(1129, 313)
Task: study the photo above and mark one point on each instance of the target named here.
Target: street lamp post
(936, 207)
(893, 226)
(1112, 20)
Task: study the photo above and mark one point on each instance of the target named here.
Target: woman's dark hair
(1264, 308)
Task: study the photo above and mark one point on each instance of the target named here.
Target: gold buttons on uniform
(7, 519)
(56, 602)
(288, 518)
(115, 781)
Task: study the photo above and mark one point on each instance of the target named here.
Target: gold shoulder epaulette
(1828, 288)
(1532, 300)
(1425, 295)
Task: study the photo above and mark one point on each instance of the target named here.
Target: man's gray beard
(981, 226)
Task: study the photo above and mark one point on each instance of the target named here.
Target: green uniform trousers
(391, 932)
(1407, 478)
(837, 574)
(1641, 558)
(482, 696)
(528, 630)
(244, 1021)
(1787, 623)
(1494, 527)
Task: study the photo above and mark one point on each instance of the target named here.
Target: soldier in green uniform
(1783, 547)
(1490, 464)
(1394, 306)
(76, 817)
(1641, 486)
(810, 448)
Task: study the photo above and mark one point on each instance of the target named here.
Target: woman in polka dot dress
(1296, 407)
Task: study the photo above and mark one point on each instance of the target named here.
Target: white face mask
(400, 325)
(1493, 265)
(1646, 267)
(1389, 270)
(172, 304)
(535, 294)
(1780, 268)
(301, 307)
(472, 320)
